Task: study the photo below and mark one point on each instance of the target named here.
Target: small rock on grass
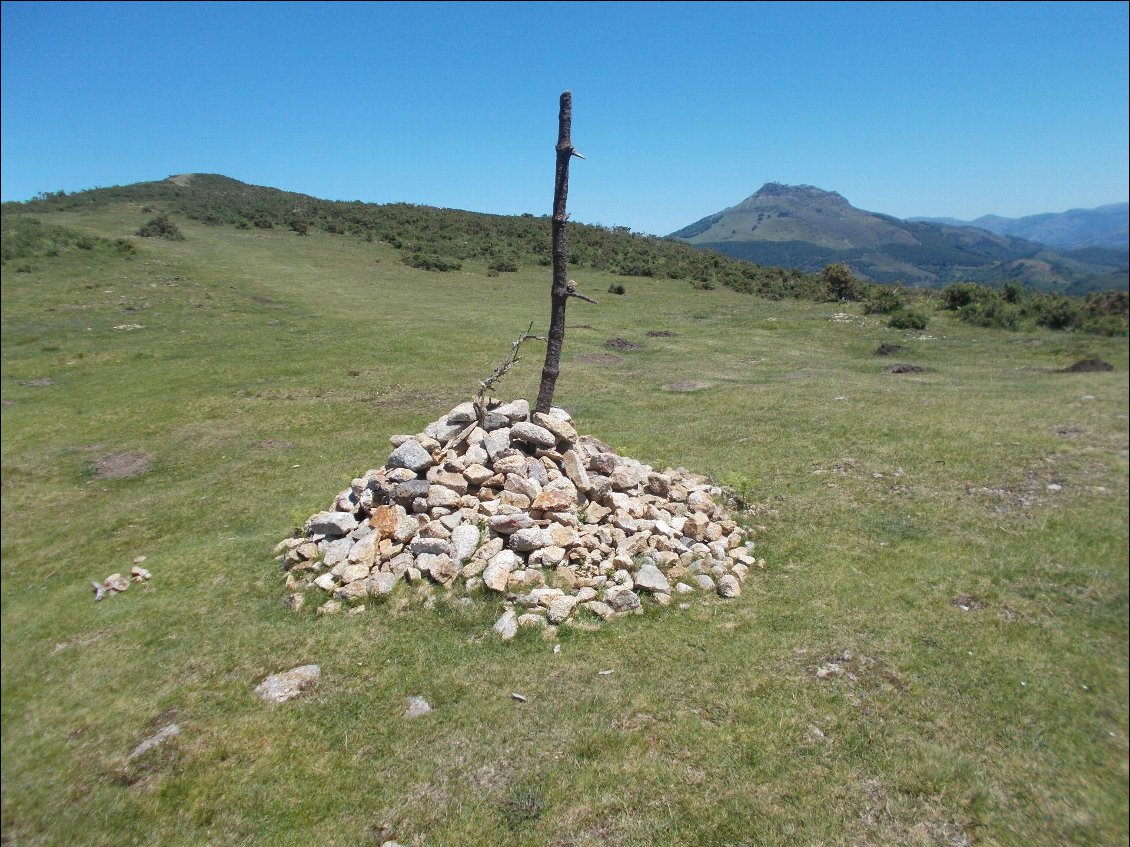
(162, 735)
(280, 687)
(417, 706)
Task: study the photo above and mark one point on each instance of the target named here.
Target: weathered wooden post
(562, 288)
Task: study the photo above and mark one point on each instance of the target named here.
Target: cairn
(493, 501)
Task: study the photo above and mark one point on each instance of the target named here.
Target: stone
(294, 601)
(330, 607)
(575, 470)
(532, 434)
(562, 430)
(364, 552)
(410, 455)
(115, 583)
(411, 490)
(703, 582)
(533, 538)
(352, 591)
(139, 574)
(601, 610)
(381, 584)
(517, 410)
(506, 627)
(650, 578)
(164, 734)
(560, 608)
(507, 524)
(331, 523)
(440, 496)
(354, 572)
(477, 474)
(336, 552)
(553, 500)
(496, 441)
(281, 687)
(464, 541)
(434, 546)
(498, 570)
(326, 582)
(529, 619)
(622, 600)
(729, 586)
(417, 706)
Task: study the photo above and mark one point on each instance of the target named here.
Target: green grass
(269, 370)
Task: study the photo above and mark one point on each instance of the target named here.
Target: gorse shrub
(161, 226)
(907, 319)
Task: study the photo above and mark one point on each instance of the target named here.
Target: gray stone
(160, 737)
(533, 538)
(518, 410)
(650, 578)
(409, 490)
(331, 523)
(434, 546)
(703, 581)
(410, 455)
(560, 608)
(729, 586)
(622, 601)
(497, 572)
(532, 434)
(464, 540)
(417, 706)
(280, 687)
(381, 584)
(561, 429)
(496, 441)
(337, 551)
(506, 627)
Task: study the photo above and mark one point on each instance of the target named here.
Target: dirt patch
(272, 444)
(685, 385)
(888, 349)
(122, 465)
(38, 382)
(661, 333)
(620, 344)
(906, 369)
(598, 359)
(1088, 366)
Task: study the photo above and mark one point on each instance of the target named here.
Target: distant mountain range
(807, 227)
(1075, 229)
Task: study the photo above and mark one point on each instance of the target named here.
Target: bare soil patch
(272, 444)
(620, 344)
(38, 382)
(685, 385)
(888, 349)
(122, 465)
(1088, 366)
(598, 359)
(661, 333)
(906, 369)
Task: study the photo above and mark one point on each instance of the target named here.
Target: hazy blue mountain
(1075, 229)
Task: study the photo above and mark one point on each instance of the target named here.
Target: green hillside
(934, 654)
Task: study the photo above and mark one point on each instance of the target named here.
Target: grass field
(936, 653)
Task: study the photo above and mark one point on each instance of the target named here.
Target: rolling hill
(807, 227)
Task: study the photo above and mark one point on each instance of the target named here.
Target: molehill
(519, 509)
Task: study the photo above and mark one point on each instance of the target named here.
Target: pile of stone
(520, 508)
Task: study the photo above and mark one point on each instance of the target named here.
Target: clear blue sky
(942, 109)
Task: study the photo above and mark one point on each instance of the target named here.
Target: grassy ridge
(846, 698)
